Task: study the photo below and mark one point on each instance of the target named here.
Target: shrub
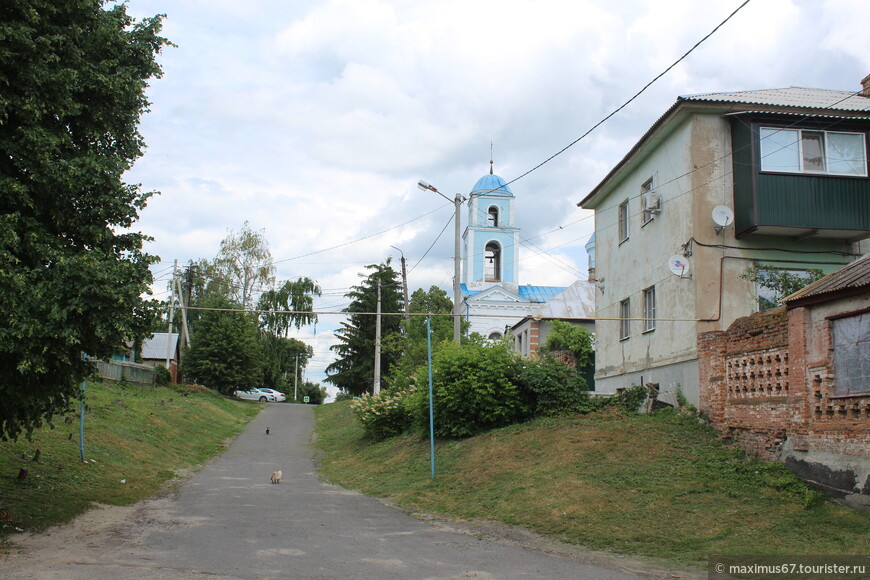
(556, 387)
(567, 336)
(629, 399)
(473, 390)
(384, 415)
(161, 377)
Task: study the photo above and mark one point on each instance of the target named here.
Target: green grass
(661, 486)
(142, 435)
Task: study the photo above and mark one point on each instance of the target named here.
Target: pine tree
(353, 372)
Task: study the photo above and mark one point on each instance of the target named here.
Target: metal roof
(577, 301)
(850, 277)
(529, 293)
(540, 293)
(779, 101)
(791, 97)
(158, 346)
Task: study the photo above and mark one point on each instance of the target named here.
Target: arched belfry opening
(492, 216)
(492, 262)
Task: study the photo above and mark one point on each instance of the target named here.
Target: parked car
(254, 394)
(279, 396)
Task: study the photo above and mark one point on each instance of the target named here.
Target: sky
(313, 120)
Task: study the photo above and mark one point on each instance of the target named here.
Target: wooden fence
(124, 371)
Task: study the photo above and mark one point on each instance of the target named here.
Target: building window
(492, 217)
(623, 221)
(494, 336)
(492, 262)
(624, 322)
(646, 188)
(803, 151)
(649, 309)
(851, 342)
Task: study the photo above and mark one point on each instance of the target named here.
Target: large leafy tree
(225, 353)
(244, 264)
(412, 346)
(283, 360)
(353, 371)
(72, 91)
(291, 304)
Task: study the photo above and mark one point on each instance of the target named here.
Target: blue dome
(491, 185)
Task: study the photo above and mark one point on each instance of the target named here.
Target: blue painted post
(82, 419)
(431, 419)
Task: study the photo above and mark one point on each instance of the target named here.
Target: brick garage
(770, 383)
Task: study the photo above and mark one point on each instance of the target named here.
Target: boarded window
(851, 337)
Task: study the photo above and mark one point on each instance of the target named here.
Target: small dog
(267, 430)
(276, 477)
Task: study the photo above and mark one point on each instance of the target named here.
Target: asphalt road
(229, 522)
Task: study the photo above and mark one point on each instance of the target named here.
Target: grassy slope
(143, 435)
(658, 485)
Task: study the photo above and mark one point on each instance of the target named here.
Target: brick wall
(746, 382)
(760, 390)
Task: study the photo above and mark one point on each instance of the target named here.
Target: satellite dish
(538, 315)
(678, 265)
(722, 216)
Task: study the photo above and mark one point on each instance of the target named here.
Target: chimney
(865, 86)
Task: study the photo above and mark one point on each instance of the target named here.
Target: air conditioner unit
(651, 202)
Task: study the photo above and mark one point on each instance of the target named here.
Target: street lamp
(457, 293)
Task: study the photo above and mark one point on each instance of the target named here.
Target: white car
(254, 394)
(279, 396)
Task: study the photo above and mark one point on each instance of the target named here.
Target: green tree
(279, 357)
(774, 284)
(411, 347)
(225, 353)
(315, 393)
(353, 371)
(291, 304)
(244, 264)
(566, 336)
(72, 272)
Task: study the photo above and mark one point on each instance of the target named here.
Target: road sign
(305, 399)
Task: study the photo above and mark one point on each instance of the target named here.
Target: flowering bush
(383, 415)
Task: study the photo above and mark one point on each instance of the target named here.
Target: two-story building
(770, 179)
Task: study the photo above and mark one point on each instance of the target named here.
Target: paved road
(229, 522)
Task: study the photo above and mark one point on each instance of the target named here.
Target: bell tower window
(492, 217)
(492, 262)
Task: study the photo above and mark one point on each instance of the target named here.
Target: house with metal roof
(722, 183)
(493, 300)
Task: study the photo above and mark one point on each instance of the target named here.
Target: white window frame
(764, 140)
(622, 221)
(624, 316)
(649, 309)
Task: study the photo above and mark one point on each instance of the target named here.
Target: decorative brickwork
(759, 390)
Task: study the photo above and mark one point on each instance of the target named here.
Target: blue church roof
(531, 293)
(492, 185)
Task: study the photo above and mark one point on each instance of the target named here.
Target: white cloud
(314, 119)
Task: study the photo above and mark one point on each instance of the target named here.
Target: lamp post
(457, 293)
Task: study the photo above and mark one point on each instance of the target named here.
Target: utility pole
(172, 300)
(457, 291)
(296, 378)
(377, 382)
(405, 287)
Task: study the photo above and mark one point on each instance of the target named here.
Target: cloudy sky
(313, 120)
